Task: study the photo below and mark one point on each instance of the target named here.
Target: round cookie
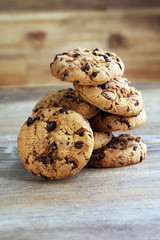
(87, 67)
(105, 121)
(68, 98)
(120, 151)
(115, 96)
(101, 139)
(55, 143)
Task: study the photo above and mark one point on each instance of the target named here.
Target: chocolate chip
(138, 139)
(137, 103)
(63, 110)
(96, 49)
(129, 139)
(135, 147)
(109, 126)
(77, 55)
(108, 53)
(125, 122)
(141, 158)
(100, 54)
(42, 115)
(128, 109)
(74, 165)
(65, 73)
(118, 60)
(53, 146)
(87, 67)
(104, 56)
(122, 90)
(49, 154)
(51, 64)
(76, 81)
(106, 59)
(55, 104)
(80, 131)
(41, 159)
(78, 144)
(132, 154)
(124, 140)
(36, 118)
(94, 74)
(120, 66)
(30, 121)
(36, 110)
(61, 58)
(71, 162)
(26, 161)
(51, 126)
(57, 56)
(67, 143)
(103, 86)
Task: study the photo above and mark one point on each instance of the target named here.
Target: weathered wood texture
(95, 204)
(41, 5)
(29, 41)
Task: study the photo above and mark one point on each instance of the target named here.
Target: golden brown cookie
(68, 98)
(101, 139)
(87, 67)
(119, 152)
(55, 143)
(105, 121)
(115, 96)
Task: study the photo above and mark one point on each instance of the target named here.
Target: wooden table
(122, 203)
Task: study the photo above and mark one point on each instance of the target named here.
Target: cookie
(115, 96)
(87, 67)
(68, 98)
(55, 143)
(119, 152)
(101, 139)
(105, 121)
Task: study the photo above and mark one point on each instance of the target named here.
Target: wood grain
(40, 5)
(95, 204)
(29, 41)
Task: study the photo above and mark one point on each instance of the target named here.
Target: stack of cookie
(57, 141)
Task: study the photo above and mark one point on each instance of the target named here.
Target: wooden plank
(40, 5)
(29, 42)
(94, 204)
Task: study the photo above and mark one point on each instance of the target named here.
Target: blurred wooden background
(33, 31)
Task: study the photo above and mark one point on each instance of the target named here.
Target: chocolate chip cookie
(87, 67)
(119, 152)
(55, 143)
(68, 98)
(115, 96)
(105, 121)
(101, 139)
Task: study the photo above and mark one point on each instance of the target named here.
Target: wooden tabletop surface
(122, 203)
